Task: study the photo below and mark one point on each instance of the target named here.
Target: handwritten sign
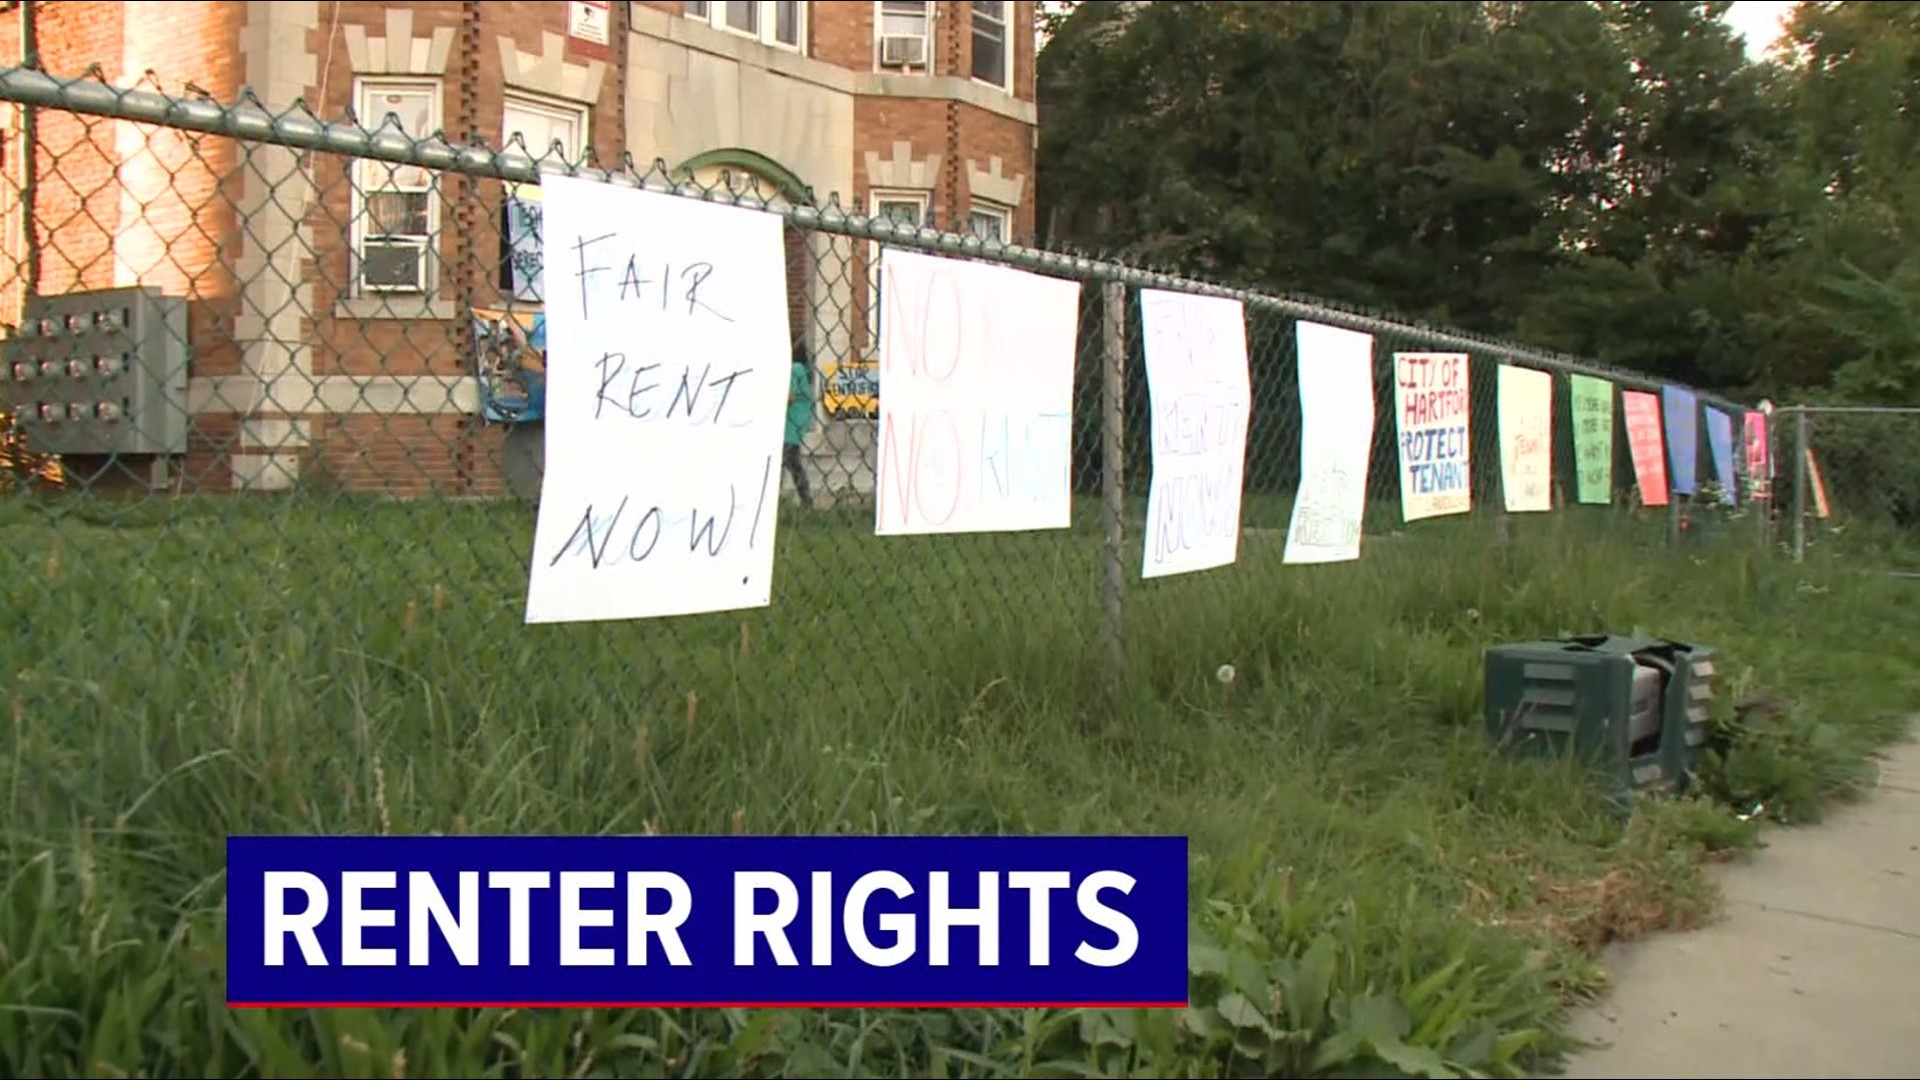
(1526, 439)
(1336, 443)
(524, 259)
(1430, 405)
(1197, 380)
(667, 375)
(976, 424)
(1592, 403)
(1647, 446)
(1720, 445)
(1682, 411)
(1759, 456)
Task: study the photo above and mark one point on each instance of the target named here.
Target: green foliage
(1613, 179)
(1376, 893)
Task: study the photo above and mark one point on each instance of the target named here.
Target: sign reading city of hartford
(1431, 396)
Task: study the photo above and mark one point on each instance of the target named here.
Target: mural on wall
(510, 350)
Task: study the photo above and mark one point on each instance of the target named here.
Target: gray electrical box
(100, 373)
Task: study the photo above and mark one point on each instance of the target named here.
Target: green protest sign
(1593, 438)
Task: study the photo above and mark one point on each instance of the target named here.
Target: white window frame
(923, 201)
(372, 176)
(573, 112)
(1001, 214)
(553, 109)
(925, 36)
(714, 14)
(1005, 23)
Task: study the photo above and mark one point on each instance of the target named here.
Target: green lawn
(1374, 889)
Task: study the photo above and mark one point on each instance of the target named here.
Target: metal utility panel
(101, 373)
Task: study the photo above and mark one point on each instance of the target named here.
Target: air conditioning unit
(392, 264)
(1640, 707)
(901, 50)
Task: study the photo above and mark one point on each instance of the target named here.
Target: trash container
(1636, 707)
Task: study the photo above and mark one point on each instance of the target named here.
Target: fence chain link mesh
(282, 590)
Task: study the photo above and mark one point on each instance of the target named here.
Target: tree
(1423, 156)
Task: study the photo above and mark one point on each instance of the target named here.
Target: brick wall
(181, 192)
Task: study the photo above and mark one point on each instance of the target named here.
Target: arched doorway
(755, 173)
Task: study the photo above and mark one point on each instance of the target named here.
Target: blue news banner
(646, 921)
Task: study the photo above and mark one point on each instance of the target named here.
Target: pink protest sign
(1644, 442)
(1759, 462)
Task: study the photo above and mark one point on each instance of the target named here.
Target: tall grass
(1377, 891)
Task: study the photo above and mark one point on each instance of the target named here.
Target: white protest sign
(1430, 406)
(667, 375)
(1336, 444)
(1197, 380)
(976, 423)
(1526, 439)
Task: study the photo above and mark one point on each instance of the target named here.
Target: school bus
(851, 390)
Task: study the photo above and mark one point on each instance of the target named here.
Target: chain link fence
(273, 437)
(1855, 494)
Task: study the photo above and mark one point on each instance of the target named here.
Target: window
(900, 207)
(990, 222)
(781, 23)
(549, 131)
(396, 209)
(904, 32)
(992, 61)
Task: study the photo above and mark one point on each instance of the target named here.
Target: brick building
(330, 300)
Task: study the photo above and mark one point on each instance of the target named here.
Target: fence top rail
(296, 127)
(1873, 410)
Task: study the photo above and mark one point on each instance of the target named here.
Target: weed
(1377, 892)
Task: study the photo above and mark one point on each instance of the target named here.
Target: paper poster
(1526, 439)
(666, 391)
(1682, 411)
(1336, 443)
(1430, 406)
(1819, 486)
(1720, 445)
(1645, 442)
(976, 426)
(1592, 402)
(1202, 399)
(1759, 456)
(522, 238)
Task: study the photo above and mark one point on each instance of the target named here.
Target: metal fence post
(1674, 520)
(1800, 422)
(1113, 374)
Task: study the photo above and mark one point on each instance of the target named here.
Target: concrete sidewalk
(1814, 972)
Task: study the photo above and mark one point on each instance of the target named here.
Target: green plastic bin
(1635, 707)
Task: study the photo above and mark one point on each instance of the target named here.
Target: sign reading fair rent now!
(691, 921)
(666, 342)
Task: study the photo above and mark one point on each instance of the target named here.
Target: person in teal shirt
(799, 421)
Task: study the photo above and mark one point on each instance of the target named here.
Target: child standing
(799, 422)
